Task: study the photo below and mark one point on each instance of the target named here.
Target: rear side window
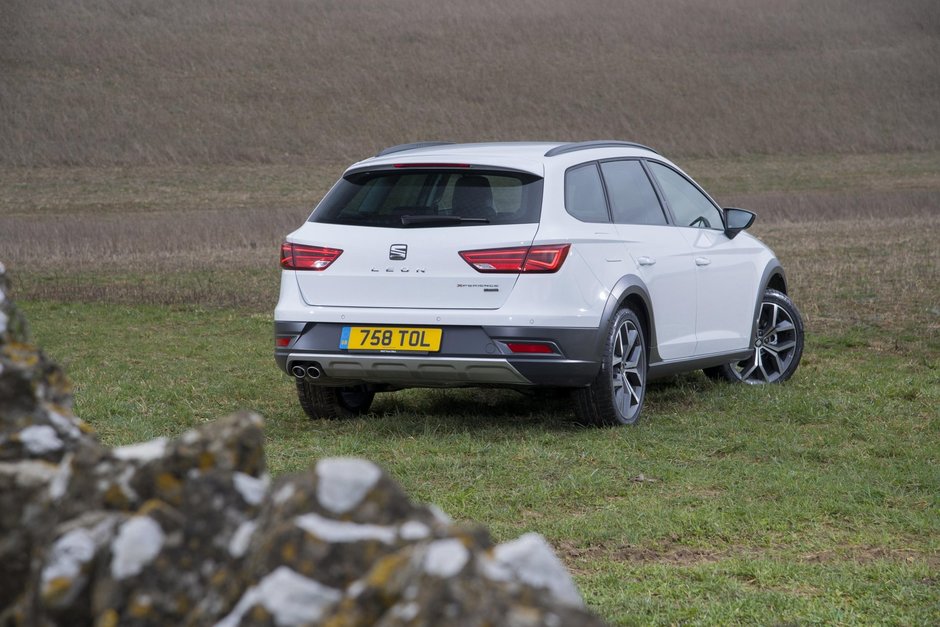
(689, 206)
(424, 198)
(584, 194)
(632, 198)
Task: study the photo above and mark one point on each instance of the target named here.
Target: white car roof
(526, 156)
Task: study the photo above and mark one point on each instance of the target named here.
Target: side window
(584, 194)
(690, 206)
(632, 198)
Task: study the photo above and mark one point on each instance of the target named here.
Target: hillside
(149, 82)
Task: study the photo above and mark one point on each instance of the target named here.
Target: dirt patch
(671, 554)
(869, 554)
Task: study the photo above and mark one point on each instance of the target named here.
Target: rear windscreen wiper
(440, 220)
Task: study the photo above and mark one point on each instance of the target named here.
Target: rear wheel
(778, 345)
(333, 403)
(615, 397)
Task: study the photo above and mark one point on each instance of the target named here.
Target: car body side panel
(729, 272)
(663, 261)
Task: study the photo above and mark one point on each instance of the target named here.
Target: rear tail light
(527, 259)
(301, 257)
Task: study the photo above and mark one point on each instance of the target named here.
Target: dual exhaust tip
(311, 371)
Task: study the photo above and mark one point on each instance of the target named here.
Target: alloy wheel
(774, 347)
(628, 369)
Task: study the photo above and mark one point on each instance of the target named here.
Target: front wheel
(778, 345)
(615, 397)
(333, 403)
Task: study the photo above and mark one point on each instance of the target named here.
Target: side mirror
(737, 220)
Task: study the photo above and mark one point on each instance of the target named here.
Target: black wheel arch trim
(630, 286)
(773, 278)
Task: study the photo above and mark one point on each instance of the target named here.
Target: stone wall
(193, 530)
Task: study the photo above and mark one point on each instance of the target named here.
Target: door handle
(645, 261)
(702, 261)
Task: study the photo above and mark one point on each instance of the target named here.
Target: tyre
(333, 403)
(615, 397)
(778, 345)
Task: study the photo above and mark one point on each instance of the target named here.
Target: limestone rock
(37, 429)
(190, 531)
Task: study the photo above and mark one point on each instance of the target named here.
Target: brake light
(301, 257)
(527, 259)
(432, 165)
(539, 348)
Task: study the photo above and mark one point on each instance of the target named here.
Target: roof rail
(412, 146)
(603, 143)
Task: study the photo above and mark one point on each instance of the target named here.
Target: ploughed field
(814, 500)
(95, 82)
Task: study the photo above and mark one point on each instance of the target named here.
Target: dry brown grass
(875, 276)
(96, 82)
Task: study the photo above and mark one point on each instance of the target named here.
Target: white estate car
(592, 266)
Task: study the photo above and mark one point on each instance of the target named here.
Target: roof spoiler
(411, 146)
(603, 143)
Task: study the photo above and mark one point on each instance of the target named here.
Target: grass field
(816, 501)
(810, 502)
(153, 154)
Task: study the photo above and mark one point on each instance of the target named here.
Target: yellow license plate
(391, 339)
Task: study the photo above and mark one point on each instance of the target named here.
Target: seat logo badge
(398, 252)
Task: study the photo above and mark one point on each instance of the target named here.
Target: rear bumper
(469, 356)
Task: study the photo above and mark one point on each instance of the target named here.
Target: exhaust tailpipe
(298, 371)
(313, 372)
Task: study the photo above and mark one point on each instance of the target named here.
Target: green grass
(815, 501)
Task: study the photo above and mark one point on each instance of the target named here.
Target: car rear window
(432, 197)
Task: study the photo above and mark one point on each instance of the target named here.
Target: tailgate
(408, 268)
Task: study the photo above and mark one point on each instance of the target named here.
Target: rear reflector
(301, 257)
(527, 259)
(531, 348)
(283, 341)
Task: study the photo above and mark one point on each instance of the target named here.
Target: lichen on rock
(191, 531)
